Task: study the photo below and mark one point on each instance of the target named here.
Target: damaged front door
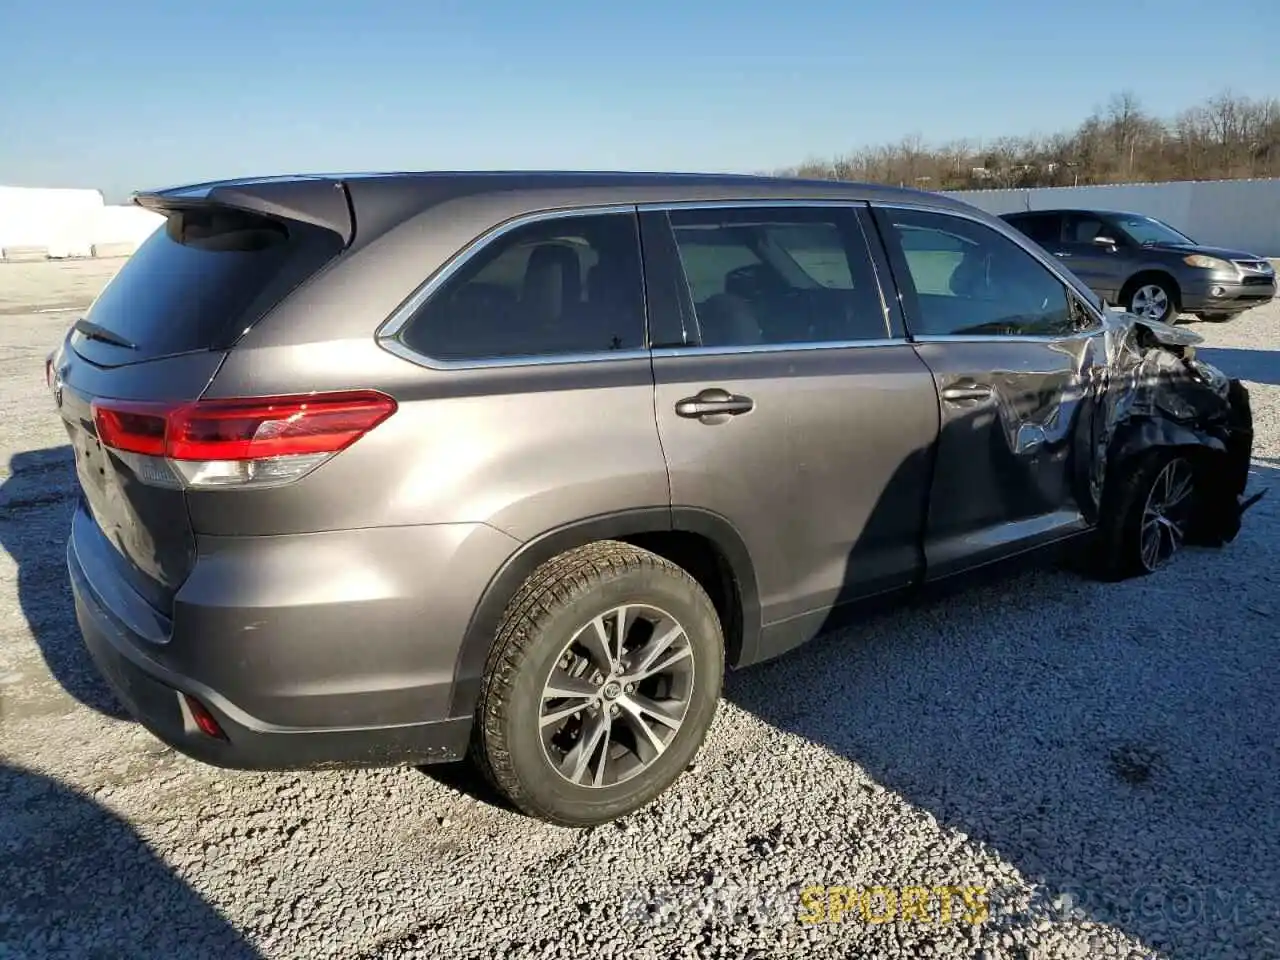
(1010, 348)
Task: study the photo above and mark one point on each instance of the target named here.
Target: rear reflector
(257, 440)
(202, 718)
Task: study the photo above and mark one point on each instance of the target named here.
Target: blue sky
(125, 95)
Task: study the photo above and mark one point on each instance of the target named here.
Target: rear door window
(1083, 228)
(199, 281)
(778, 276)
(564, 286)
(1044, 228)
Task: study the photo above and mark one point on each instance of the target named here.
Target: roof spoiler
(322, 201)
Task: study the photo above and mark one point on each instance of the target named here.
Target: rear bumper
(1224, 296)
(152, 695)
(349, 703)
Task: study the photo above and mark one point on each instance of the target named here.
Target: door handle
(1061, 253)
(713, 402)
(971, 391)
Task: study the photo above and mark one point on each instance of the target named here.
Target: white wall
(1228, 213)
(68, 223)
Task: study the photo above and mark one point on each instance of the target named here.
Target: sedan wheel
(1151, 301)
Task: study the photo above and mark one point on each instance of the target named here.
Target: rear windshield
(200, 280)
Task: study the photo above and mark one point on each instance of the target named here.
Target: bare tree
(1227, 136)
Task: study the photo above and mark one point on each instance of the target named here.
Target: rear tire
(617, 737)
(1148, 510)
(1216, 317)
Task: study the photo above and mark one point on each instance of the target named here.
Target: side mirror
(1106, 242)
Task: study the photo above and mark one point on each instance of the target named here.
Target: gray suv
(1147, 267)
(410, 468)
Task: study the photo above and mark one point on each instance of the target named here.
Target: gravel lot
(1101, 760)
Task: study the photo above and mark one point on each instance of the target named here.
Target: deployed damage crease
(1137, 386)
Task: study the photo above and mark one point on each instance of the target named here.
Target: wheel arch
(1220, 465)
(1143, 435)
(687, 536)
(1153, 274)
(1149, 433)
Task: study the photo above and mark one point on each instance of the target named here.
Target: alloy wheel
(617, 695)
(1150, 302)
(1166, 513)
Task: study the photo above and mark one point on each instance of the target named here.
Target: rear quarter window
(566, 285)
(200, 280)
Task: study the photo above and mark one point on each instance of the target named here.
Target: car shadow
(1259, 366)
(80, 882)
(36, 501)
(464, 777)
(1109, 741)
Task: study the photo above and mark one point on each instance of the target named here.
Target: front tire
(601, 685)
(1153, 299)
(1148, 511)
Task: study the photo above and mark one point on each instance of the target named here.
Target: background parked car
(1148, 267)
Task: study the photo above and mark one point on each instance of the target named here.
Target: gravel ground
(1093, 767)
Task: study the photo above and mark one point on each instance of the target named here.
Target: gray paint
(362, 596)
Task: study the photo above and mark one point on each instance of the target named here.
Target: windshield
(1148, 230)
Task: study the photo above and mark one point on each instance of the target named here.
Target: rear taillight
(132, 428)
(258, 441)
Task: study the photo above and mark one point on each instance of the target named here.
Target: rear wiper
(93, 331)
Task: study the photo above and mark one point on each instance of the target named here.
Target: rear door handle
(1061, 253)
(713, 402)
(971, 391)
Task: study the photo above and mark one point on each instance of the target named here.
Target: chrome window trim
(659, 206)
(851, 205)
(388, 333)
(994, 338)
(1022, 243)
(398, 348)
(804, 345)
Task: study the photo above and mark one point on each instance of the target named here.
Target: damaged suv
(409, 468)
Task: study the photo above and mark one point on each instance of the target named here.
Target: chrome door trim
(658, 206)
(660, 352)
(993, 338)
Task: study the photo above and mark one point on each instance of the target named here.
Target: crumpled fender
(1139, 434)
(1154, 392)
